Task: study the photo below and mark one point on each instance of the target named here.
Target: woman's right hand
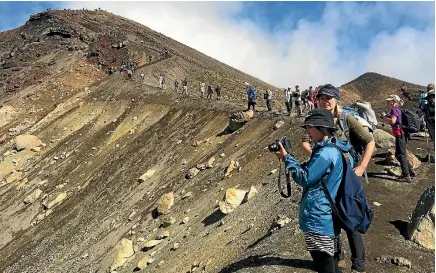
(280, 154)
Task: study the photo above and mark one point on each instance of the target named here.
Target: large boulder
(27, 142)
(422, 222)
(238, 119)
(383, 139)
(413, 160)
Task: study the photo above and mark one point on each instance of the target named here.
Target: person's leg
(324, 263)
(400, 153)
(357, 247)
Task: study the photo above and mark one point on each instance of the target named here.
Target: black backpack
(410, 121)
(265, 96)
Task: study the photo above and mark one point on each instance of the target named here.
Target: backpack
(351, 111)
(410, 121)
(365, 111)
(265, 96)
(350, 208)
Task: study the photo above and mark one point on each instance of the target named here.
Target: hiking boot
(341, 264)
(405, 178)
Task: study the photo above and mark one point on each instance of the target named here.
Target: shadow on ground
(261, 260)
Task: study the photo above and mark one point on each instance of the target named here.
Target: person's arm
(305, 176)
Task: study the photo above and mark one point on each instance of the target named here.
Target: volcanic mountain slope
(374, 87)
(56, 54)
(72, 204)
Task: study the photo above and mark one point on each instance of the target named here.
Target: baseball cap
(329, 90)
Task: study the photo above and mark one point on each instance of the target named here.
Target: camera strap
(288, 183)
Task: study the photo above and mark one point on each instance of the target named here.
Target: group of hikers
(210, 88)
(329, 177)
(302, 100)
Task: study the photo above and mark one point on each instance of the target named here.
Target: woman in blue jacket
(316, 219)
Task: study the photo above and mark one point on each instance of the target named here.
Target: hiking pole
(428, 146)
(366, 177)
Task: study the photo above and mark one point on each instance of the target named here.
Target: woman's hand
(280, 154)
(359, 170)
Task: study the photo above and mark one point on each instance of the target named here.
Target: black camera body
(275, 147)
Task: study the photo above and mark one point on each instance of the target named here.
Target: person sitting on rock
(321, 233)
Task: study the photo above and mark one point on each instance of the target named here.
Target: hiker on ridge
(218, 92)
(321, 234)
(288, 101)
(209, 91)
(297, 99)
(176, 86)
(268, 97)
(362, 142)
(395, 119)
(185, 87)
(202, 88)
(251, 95)
(160, 81)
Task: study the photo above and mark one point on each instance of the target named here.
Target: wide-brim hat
(394, 98)
(319, 117)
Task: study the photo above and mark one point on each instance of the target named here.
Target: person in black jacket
(429, 113)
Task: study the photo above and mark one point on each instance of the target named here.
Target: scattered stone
(143, 262)
(230, 168)
(146, 176)
(175, 246)
(201, 167)
(222, 155)
(383, 139)
(282, 220)
(238, 119)
(279, 124)
(187, 195)
(232, 199)
(162, 234)
(151, 243)
(165, 203)
(377, 204)
(131, 215)
(400, 261)
(52, 200)
(123, 250)
(192, 173)
(195, 143)
(273, 172)
(168, 221)
(26, 142)
(421, 226)
(29, 199)
(395, 171)
(185, 220)
(251, 193)
(210, 162)
(141, 239)
(150, 261)
(390, 158)
(22, 184)
(55, 158)
(179, 141)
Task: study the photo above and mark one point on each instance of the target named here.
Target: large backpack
(350, 208)
(362, 120)
(365, 111)
(410, 121)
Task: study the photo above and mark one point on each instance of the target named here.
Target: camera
(275, 147)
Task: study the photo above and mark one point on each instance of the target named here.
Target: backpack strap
(343, 125)
(288, 183)
(324, 186)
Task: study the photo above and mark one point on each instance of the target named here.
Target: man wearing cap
(315, 218)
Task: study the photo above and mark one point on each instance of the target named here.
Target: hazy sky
(286, 43)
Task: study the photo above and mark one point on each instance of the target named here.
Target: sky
(285, 43)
